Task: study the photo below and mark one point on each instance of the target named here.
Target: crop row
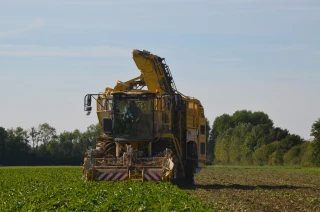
(61, 188)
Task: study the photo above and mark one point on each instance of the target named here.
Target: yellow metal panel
(202, 138)
(149, 75)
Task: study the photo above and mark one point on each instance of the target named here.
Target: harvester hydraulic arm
(155, 72)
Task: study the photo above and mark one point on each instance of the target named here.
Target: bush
(262, 155)
(306, 154)
(293, 156)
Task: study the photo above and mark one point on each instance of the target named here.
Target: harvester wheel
(192, 157)
(189, 175)
(107, 147)
(110, 148)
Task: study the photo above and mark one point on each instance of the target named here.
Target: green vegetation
(249, 138)
(62, 189)
(315, 131)
(243, 138)
(43, 146)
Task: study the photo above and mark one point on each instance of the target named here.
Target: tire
(110, 148)
(192, 157)
(189, 172)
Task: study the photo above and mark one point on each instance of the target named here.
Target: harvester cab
(133, 117)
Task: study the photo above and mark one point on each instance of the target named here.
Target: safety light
(157, 91)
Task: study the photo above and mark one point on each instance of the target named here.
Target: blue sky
(232, 54)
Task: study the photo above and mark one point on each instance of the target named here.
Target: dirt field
(257, 189)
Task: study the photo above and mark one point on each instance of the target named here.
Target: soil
(236, 189)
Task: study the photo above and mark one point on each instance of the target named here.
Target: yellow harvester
(150, 131)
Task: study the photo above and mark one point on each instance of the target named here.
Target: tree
(222, 147)
(66, 140)
(285, 145)
(263, 155)
(293, 156)
(242, 116)
(315, 131)
(228, 145)
(261, 133)
(306, 154)
(42, 146)
(210, 144)
(277, 134)
(260, 118)
(290, 141)
(46, 133)
(237, 155)
(256, 118)
(255, 138)
(34, 134)
(88, 138)
(3, 137)
(249, 137)
(19, 132)
(17, 149)
(221, 124)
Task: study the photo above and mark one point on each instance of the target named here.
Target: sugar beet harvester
(150, 131)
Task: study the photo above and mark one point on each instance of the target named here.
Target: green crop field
(62, 189)
(226, 188)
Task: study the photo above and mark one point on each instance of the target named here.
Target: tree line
(243, 138)
(250, 138)
(42, 145)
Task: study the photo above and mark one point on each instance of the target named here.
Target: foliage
(258, 136)
(263, 155)
(290, 141)
(210, 145)
(46, 133)
(3, 137)
(255, 118)
(221, 124)
(316, 151)
(293, 156)
(306, 155)
(42, 146)
(315, 131)
(243, 138)
(228, 145)
(62, 189)
(248, 138)
(277, 134)
(221, 150)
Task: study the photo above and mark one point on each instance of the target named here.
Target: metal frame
(92, 95)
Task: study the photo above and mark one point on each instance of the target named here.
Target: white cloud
(317, 52)
(90, 51)
(37, 23)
